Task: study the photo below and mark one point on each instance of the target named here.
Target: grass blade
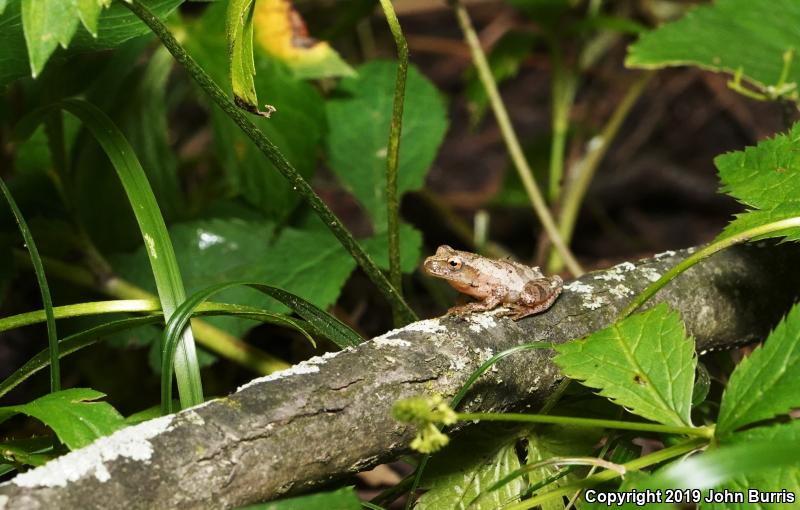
(41, 278)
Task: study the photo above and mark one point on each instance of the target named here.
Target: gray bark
(331, 416)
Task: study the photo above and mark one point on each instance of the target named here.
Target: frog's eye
(454, 262)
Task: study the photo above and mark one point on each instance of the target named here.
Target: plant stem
(271, 151)
(392, 155)
(564, 85)
(585, 170)
(634, 465)
(705, 253)
(211, 337)
(706, 432)
(510, 138)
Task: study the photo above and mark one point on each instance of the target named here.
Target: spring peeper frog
(524, 290)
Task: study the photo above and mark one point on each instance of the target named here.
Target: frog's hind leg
(537, 297)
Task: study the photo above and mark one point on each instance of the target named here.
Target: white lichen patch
(625, 267)
(620, 291)
(650, 273)
(299, 369)
(593, 302)
(579, 287)
(129, 443)
(668, 253)
(191, 416)
(612, 275)
(430, 326)
(383, 341)
(481, 321)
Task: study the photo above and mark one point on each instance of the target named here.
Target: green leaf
(160, 251)
(115, 25)
(3, 6)
(727, 35)
(558, 441)
(645, 363)
(242, 66)
(44, 289)
(764, 385)
(470, 465)
(72, 414)
(338, 332)
(33, 451)
(769, 480)
(89, 13)
(341, 499)
(220, 251)
(359, 113)
(296, 127)
(47, 24)
(765, 178)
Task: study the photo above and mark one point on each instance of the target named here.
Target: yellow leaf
(281, 32)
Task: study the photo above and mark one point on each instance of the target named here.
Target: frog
(523, 290)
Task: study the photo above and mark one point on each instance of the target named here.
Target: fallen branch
(330, 417)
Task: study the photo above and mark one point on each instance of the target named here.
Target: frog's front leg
(491, 301)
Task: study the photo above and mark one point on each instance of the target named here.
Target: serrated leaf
(766, 178)
(359, 113)
(281, 32)
(470, 465)
(645, 363)
(728, 35)
(72, 414)
(764, 385)
(89, 13)
(115, 25)
(769, 480)
(47, 24)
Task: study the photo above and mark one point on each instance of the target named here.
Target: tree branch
(330, 417)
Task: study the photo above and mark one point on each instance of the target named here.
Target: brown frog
(524, 290)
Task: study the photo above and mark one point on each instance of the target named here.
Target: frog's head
(445, 263)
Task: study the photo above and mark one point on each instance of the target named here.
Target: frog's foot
(517, 312)
(471, 308)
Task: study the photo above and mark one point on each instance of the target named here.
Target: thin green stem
(706, 432)
(393, 153)
(44, 289)
(563, 87)
(604, 476)
(271, 151)
(704, 253)
(598, 147)
(511, 140)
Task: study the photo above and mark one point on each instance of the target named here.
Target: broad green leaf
(727, 35)
(467, 467)
(115, 25)
(341, 499)
(770, 480)
(558, 441)
(281, 32)
(766, 179)
(764, 384)
(645, 363)
(47, 23)
(72, 414)
(3, 6)
(359, 113)
(296, 127)
(33, 451)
